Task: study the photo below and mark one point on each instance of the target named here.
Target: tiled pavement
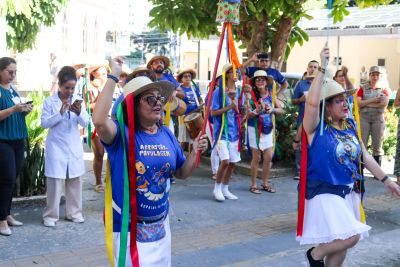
(256, 230)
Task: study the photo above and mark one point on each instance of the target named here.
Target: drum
(178, 107)
(194, 123)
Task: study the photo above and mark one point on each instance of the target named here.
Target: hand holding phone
(29, 102)
(78, 102)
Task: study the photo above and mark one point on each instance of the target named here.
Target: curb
(19, 201)
(244, 169)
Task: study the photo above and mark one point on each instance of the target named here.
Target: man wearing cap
(372, 100)
(299, 99)
(264, 64)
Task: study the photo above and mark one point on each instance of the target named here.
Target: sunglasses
(187, 76)
(260, 80)
(152, 100)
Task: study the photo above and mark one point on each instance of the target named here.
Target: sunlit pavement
(256, 230)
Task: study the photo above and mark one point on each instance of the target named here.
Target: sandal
(99, 188)
(268, 188)
(255, 190)
(214, 177)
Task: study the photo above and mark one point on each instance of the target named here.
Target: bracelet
(384, 179)
(295, 141)
(112, 77)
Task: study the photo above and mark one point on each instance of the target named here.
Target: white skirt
(329, 217)
(151, 254)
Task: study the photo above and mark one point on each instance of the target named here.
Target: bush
(390, 135)
(286, 131)
(31, 179)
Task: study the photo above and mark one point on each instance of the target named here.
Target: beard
(159, 70)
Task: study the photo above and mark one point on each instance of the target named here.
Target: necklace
(150, 129)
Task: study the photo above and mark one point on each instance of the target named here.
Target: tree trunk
(253, 34)
(280, 41)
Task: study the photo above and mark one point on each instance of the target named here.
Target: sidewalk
(256, 230)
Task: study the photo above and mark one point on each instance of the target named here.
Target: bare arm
(283, 88)
(106, 128)
(222, 110)
(377, 171)
(376, 102)
(248, 62)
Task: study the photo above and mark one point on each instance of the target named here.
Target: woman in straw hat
(333, 216)
(226, 131)
(98, 78)
(151, 155)
(193, 101)
(259, 129)
(342, 78)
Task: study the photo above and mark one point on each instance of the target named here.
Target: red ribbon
(129, 100)
(303, 180)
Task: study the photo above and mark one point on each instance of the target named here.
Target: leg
(7, 181)
(255, 160)
(377, 131)
(266, 168)
(214, 162)
(336, 259)
(73, 199)
(98, 152)
(334, 247)
(365, 128)
(218, 183)
(53, 193)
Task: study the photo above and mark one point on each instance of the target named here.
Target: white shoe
(78, 220)
(48, 223)
(5, 231)
(219, 196)
(13, 222)
(228, 194)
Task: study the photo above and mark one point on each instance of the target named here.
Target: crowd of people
(147, 118)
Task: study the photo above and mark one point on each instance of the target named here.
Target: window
(381, 62)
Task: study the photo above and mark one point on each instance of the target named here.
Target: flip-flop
(255, 190)
(99, 188)
(214, 177)
(268, 188)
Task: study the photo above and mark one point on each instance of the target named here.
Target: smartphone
(29, 102)
(78, 101)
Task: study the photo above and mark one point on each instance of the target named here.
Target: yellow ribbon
(356, 114)
(109, 215)
(273, 115)
(167, 118)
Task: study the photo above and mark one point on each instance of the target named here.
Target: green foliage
(286, 131)
(32, 179)
(390, 135)
(24, 24)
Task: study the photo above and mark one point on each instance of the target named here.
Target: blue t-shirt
(301, 87)
(216, 103)
(158, 156)
(266, 119)
(168, 77)
(190, 99)
(333, 158)
(278, 77)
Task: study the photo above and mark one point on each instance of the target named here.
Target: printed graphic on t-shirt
(347, 152)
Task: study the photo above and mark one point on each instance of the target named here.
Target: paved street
(256, 230)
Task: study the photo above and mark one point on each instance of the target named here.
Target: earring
(330, 119)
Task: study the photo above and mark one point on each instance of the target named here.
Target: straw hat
(164, 59)
(139, 69)
(94, 66)
(141, 84)
(226, 67)
(180, 74)
(333, 89)
(262, 73)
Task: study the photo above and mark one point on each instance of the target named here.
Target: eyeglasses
(260, 80)
(152, 100)
(143, 74)
(187, 76)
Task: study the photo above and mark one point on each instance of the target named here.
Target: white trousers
(151, 254)
(73, 199)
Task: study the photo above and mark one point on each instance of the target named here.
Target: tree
(24, 19)
(270, 25)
